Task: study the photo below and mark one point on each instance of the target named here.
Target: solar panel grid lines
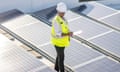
(38, 69)
(117, 32)
(97, 11)
(98, 48)
(35, 38)
(67, 67)
(90, 61)
(113, 59)
(111, 42)
(105, 6)
(44, 44)
(26, 25)
(110, 24)
(51, 51)
(19, 63)
(18, 22)
(73, 19)
(45, 25)
(102, 23)
(108, 11)
(71, 16)
(18, 60)
(102, 65)
(87, 18)
(109, 15)
(20, 39)
(92, 49)
(25, 42)
(113, 21)
(87, 28)
(99, 35)
(86, 45)
(111, 54)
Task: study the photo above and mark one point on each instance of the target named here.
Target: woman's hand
(68, 34)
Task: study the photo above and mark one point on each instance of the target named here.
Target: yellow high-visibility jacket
(60, 41)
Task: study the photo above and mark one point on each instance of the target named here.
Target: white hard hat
(61, 7)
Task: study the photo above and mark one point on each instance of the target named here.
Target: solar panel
(88, 27)
(20, 22)
(10, 15)
(36, 34)
(102, 65)
(95, 10)
(112, 3)
(33, 35)
(51, 14)
(110, 42)
(29, 28)
(46, 70)
(4, 43)
(75, 54)
(71, 15)
(15, 59)
(100, 11)
(80, 8)
(113, 20)
(45, 14)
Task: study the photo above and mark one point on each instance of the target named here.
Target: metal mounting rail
(95, 47)
(68, 69)
(105, 24)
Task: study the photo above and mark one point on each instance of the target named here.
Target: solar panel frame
(19, 29)
(34, 33)
(112, 20)
(11, 14)
(102, 65)
(15, 59)
(88, 27)
(20, 21)
(109, 42)
(37, 34)
(71, 58)
(101, 10)
(31, 45)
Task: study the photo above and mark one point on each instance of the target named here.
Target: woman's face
(61, 14)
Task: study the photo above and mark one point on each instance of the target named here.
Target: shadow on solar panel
(84, 8)
(5, 16)
(51, 14)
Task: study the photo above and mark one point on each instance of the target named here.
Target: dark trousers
(59, 65)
